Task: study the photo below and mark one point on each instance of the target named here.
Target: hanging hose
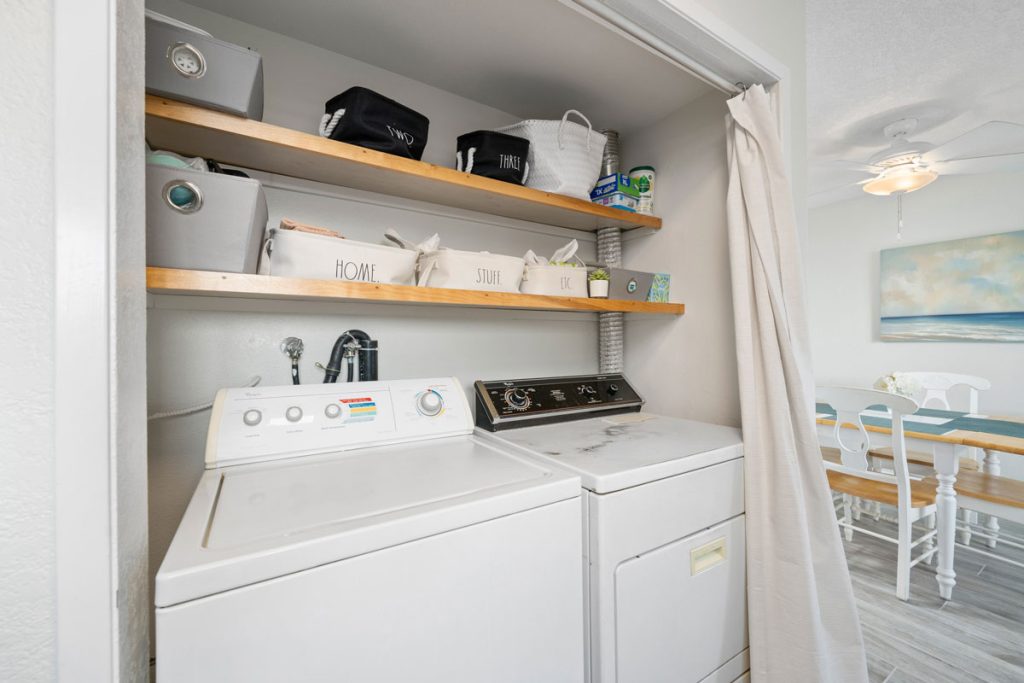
(346, 347)
(253, 381)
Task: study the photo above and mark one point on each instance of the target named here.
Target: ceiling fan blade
(1002, 163)
(994, 138)
(847, 165)
(835, 194)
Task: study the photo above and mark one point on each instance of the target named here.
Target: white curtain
(803, 620)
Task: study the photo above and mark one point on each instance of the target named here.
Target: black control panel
(505, 404)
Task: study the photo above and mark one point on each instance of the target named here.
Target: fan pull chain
(899, 215)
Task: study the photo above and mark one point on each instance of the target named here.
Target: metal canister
(610, 160)
(642, 178)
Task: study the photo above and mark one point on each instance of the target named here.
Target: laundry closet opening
(466, 67)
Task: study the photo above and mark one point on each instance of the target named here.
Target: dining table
(948, 434)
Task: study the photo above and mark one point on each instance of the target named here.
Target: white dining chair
(935, 391)
(849, 473)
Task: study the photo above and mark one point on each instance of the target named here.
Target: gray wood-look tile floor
(977, 637)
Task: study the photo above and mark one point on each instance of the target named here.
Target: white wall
(686, 366)
(27, 545)
(845, 240)
(779, 28)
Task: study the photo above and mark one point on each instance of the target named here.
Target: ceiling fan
(909, 165)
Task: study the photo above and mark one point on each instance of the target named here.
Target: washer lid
(613, 453)
(254, 522)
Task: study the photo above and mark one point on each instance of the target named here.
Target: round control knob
(332, 410)
(589, 390)
(613, 389)
(517, 399)
(252, 417)
(293, 414)
(429, 403)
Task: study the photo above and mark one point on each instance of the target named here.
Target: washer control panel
(511, 403)
(267, 423)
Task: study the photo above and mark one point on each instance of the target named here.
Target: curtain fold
(803, 620)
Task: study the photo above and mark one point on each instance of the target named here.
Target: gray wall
(27, 546)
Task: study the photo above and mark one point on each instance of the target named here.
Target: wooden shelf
(195, 131)
(207, 283)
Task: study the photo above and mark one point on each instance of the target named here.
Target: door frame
(100, 528)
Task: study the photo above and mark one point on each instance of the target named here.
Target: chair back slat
(936, 387)
(849, 403)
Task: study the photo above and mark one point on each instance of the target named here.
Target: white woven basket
(565, 157)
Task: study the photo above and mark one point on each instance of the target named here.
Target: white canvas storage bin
(188, 64)
(203, 221)
(565, 157)
(555, 280)
(291, 253)
(452, 269)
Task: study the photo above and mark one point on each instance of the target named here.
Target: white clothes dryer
(663, 538)
(362, 532)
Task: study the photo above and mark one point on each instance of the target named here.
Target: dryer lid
(613, 453)
(254, 522)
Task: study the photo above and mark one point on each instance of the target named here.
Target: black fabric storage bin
(493, 155)
(370, 120)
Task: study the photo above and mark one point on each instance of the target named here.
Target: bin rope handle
(328, 122)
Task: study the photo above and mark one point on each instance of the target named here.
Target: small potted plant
(598, 282)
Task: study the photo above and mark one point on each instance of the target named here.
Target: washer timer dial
(429, 403)
(517, 399)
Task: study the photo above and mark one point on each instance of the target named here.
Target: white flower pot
(599, 289)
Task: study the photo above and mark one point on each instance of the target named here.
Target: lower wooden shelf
(208, 283)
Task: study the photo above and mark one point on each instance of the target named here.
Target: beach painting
(967, 290)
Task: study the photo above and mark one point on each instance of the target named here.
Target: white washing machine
(663, 539)
(362, 532)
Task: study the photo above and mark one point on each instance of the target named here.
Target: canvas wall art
(967, 290)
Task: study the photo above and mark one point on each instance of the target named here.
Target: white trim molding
(99, 345)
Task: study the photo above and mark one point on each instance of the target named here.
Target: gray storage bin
(629, 285)
(194, 67)
(221, 228)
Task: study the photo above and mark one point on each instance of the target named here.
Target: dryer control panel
(268, 423)
(505, 404)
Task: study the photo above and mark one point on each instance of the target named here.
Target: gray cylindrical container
(610, 160)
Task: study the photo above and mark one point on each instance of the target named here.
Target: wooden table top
(999, 433)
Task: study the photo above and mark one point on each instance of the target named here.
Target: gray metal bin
(194, 67)
(203, 221)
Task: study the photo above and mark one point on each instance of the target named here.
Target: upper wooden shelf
(195, 131)
(207, 283)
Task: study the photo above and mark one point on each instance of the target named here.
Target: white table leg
(946, 465)
(990, 465)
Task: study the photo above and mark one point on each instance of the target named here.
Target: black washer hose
(367, 357)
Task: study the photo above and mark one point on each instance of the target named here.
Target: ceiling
(491, 51)
(952, 64)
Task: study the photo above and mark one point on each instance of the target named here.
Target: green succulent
(598, 274)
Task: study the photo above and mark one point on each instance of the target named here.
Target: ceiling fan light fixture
(900, 179)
